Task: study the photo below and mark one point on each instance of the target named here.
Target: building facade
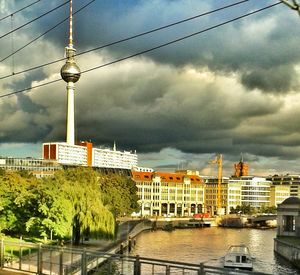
(83, 154)
(108, 158)
(169, 194)
(284, 186)
(211, 194)
(252, 191)
(255, 191)
(278, 193)
(38, 167)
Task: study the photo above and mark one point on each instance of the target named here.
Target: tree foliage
(89, 213)
(75, 201)
(52, 211)
(119, 193)
(248, 210)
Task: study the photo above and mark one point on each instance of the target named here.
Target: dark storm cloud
(229, 90)
(28, 106)
(259, 48)
(277, 79)
(192, 115)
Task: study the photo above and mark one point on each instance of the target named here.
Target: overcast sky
(233, 89)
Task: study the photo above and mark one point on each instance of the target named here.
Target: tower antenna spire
(71, 25)
(242, 157)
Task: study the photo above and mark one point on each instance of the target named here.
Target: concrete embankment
(162, 223)
(126, 239)
(288, 249)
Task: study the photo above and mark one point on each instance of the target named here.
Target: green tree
(81, 186)
(14, 195)
(52, 211)
(119, 194)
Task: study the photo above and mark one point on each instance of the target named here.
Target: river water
(209, 245)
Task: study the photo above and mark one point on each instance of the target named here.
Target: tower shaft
(71, 113)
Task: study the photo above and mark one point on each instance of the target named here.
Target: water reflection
(210, 245)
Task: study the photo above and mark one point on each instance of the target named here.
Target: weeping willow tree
(81, 186)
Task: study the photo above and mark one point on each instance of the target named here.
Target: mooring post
(83, 263)
(39, 259)
(201, 269)
(61, 261)
(20, 254)
(137, 266)
(168, 270)
(2, 253)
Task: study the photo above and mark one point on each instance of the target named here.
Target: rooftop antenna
(70, 73)
(293, 5)
(242, 158)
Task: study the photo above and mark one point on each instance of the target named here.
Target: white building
(83, 154)
(108, 158)
(254, 191)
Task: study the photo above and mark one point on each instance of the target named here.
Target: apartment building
(83, 154)
(169, 194)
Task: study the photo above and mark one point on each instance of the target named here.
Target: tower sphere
(70, 72)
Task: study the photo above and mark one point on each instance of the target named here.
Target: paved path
(8, 272)
(51, 259)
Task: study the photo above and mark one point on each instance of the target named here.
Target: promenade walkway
(126, 229)
(9, 272)
(52, 260)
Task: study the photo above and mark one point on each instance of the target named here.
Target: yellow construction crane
(218, 161)
(292, 4)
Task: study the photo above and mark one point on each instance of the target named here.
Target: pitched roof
(165, 177)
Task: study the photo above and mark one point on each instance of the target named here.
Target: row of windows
(20, 168)
(256, 188)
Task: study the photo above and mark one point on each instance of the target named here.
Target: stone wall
(288, 251)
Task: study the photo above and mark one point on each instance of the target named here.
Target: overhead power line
(17, 11)
(122, 40)
(149, 50)
(49, 30)
(29, 22)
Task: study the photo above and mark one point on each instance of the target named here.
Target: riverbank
(288, 248)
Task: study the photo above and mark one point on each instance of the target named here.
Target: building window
(289, 224)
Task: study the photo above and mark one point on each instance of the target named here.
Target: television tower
(70, 73)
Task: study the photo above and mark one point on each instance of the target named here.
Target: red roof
(165, 177)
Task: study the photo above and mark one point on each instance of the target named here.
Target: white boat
(238, 256)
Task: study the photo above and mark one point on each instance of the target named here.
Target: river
(209, 245)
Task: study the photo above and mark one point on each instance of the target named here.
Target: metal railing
(45, 259)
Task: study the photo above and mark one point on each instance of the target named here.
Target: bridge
(263, 220)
